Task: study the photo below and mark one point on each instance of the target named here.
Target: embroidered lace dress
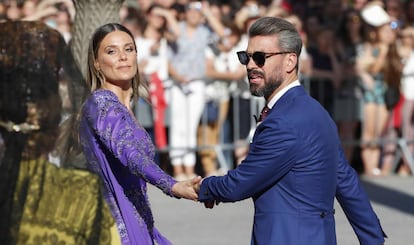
(121, 152)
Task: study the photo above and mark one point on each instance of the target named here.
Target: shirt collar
(279, 94)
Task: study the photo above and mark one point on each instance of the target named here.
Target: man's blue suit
(293, 171)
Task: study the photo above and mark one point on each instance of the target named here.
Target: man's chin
(255, 91)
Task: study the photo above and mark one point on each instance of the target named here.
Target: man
(295, 166)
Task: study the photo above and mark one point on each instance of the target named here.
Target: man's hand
(186, 189)
(207, 204)
(210, 204)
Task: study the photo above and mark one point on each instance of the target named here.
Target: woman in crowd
(348, 97)
(186, 96)
(223, 72)
(160, 28)
(407, 89)
(402, 114)
(377, 70)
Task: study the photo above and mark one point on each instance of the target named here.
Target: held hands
(187, 188)
(208, 204)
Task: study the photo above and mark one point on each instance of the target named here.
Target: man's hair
(288, 37)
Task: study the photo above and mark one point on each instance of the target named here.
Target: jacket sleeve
(270, 157)
(356, 205)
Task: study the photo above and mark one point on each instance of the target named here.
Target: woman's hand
(187, 189)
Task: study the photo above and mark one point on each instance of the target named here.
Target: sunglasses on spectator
(258, 57)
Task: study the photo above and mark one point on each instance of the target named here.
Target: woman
(407, 90)
(326, 68)
(160, 28)
(378, 66)
(223, 73)
(186, 96)
(400, 122)
(347, 106)
(116, 146)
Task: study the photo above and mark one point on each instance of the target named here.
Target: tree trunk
(90, 14)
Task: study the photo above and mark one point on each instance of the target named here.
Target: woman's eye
(110, 51)
(130, 49)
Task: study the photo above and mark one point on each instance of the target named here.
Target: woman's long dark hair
(393, 67)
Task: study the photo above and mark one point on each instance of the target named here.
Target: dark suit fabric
(293, 171)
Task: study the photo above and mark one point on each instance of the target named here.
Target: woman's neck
(123, 94)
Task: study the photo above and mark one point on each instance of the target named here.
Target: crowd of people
(199, 108)
(177, 78)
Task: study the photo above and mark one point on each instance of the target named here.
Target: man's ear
(291, 62)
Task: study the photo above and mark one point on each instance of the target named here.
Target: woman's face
(194, 16)
(353, 22)
(117, 58)
(386, 34)
(155, 19)
(227, 43)
(407, 36)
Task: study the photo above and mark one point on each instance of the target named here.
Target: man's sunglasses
(258, 57)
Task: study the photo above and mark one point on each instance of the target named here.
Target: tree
(90, 14)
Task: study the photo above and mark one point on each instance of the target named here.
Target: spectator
(312, 24)
(222, 69)
(58, 14)
(348, 98)
(187, 70)
(407, 89)
(13, 10)
(29, 8)
(331, 13)
(326, 71)
(160, 28)
(371, 67)
(395, 9)
(409, 13)
(406, 107)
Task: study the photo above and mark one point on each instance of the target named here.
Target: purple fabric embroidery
(121, 152)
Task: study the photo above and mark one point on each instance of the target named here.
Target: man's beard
(269, 87)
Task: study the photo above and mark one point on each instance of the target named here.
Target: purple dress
(121, 152)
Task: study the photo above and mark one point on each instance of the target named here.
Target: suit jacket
(293, 171)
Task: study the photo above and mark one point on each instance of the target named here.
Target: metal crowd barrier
(256, 104)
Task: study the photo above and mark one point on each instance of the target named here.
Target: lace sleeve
(129, 142)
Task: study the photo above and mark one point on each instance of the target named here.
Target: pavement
(186, 222)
